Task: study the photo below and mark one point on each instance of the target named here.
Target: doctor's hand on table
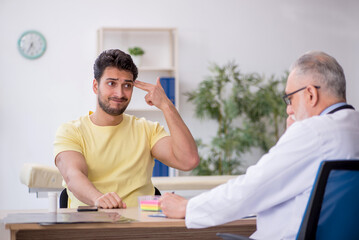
(173, 206)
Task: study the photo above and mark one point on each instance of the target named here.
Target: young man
(277, 188)
(106, 157)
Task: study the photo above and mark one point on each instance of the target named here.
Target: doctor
(277, 188)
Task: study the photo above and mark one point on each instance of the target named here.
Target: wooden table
(144, 228)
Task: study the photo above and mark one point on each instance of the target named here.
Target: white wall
(36, 96)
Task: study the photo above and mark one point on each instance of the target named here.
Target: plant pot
(137, 60)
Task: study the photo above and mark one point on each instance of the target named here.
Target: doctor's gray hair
(326, 71)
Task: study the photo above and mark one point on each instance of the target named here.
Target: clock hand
(31, 45)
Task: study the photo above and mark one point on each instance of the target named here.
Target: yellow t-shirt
(118, 157)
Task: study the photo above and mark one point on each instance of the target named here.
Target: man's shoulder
(76, 124)
(133, 120)
(143, 126)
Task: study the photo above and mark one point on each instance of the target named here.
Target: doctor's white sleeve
(278, 176)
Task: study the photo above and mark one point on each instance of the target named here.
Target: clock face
(32, 44)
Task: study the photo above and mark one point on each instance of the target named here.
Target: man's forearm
(183, 145)
(83, 189)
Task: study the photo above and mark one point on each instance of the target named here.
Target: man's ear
(95, 86)
(313, 95)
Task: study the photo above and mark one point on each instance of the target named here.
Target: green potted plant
(136, 53)
(249, 113)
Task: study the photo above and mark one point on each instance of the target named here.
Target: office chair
(333, 208)
(63, 200)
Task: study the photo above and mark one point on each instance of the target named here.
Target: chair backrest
(63, 200)
(333, 207)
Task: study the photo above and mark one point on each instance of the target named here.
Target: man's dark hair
(114, 58)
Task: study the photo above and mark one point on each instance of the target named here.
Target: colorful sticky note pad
(149, 203)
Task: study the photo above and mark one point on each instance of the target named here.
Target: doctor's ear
(313, 95)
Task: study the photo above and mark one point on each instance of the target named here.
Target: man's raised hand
(155, 96)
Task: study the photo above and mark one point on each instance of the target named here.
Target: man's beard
(112, 111)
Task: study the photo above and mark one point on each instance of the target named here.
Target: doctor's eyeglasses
(286, 97)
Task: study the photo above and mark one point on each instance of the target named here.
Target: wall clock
(31, 44)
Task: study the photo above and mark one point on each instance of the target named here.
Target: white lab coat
(277, 188)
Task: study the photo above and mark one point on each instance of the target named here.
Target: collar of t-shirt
(330, 108)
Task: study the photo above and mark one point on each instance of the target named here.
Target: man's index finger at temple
(142, 85)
